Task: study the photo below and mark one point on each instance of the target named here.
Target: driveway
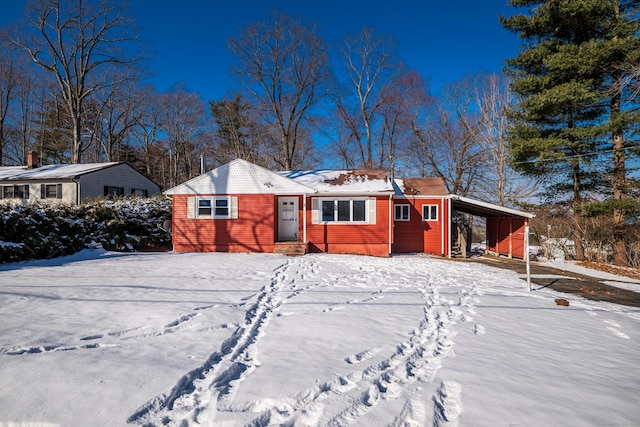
(589, 287)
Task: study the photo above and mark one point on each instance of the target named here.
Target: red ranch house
(242, 207)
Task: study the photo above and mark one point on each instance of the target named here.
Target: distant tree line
(72, 86)
(559, 124)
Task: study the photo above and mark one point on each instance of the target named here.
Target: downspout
(390, 221)
(442, 227)
(449, 228)
(77, 181)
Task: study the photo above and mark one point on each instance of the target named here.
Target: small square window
(401, 213)
(430, 212)
(204, 207)
(222, 208)
(7, 192)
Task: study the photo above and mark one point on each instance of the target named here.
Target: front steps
(290, 248)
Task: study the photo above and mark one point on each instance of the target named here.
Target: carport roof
(484, 209)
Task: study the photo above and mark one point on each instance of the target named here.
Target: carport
(507, 229)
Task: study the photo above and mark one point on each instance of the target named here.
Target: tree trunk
(618, 184)
(578, 230)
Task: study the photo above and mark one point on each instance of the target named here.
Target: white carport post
(526, 254)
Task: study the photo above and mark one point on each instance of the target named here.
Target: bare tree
(149, 125)
(185, 126)
(115, 111)
(370, 62)
(9, 81)
(75, 40)
(238, 134)
(450, 140)
(493, 98)
(283, 62)
(397, 111)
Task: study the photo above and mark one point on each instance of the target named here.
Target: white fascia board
(491, 206)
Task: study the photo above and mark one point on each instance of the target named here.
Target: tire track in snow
(196, 395)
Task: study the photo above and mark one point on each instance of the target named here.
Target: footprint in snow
(478, 329)
(448, 404)
(618, 333)
(363, 355)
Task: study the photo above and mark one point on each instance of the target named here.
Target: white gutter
(449, 228)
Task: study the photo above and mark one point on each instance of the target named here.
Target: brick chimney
(32, 160)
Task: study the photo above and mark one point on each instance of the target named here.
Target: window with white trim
(344, 210)
(401, 212)
(430, 212)
(217, 207)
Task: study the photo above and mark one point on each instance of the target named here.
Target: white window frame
(336, 203)
(401, 218)
(214, 208)
(231, 208)
(426, 212)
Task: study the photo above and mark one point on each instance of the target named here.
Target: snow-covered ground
(109, 339)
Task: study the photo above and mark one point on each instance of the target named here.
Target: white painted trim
(490, 206)
(526, 253)
(441, 228)
(304, 218)
(391, 219)
(449, 228)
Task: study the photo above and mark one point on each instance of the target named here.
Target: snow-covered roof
(243, 177)
(23, 173)
(342, 181)
(240, 177)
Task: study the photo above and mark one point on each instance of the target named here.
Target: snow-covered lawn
(107, 339)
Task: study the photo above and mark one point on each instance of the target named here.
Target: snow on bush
(40, 231)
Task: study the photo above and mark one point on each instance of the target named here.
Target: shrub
(46, 231)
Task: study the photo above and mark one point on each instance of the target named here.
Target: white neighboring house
(71, 183)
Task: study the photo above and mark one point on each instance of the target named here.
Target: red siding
(417, 235)
(365, 239)
(505, 236)
(252, 231)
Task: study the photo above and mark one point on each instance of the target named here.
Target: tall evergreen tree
(570, 111)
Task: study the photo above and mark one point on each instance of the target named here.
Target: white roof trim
(491, 206)
(240, 177)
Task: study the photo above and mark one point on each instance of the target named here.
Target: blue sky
(442, 40)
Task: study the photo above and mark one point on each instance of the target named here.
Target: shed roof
(23, 173)
(240, 177)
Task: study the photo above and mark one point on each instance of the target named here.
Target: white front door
(287, 218)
